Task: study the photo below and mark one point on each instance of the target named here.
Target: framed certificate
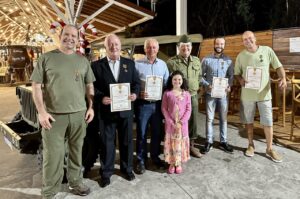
(253, 77)
(153, 87)
(119, 94)
(219, 86)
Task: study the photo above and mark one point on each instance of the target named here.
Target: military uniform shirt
(190, 68)
(64, 78)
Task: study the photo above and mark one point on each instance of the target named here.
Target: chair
(280, 108)
(295, 103)
(234, 97)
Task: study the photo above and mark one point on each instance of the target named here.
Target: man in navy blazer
(114, 69)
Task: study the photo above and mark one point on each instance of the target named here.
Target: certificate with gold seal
(219, 86)
(119, 95)
(253, 77)
(153, 87)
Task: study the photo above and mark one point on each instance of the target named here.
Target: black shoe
(206, 148)
(159, 164)
(129, 176)
(226, 147)
(86, 172)
(140, 168)
(104, 182)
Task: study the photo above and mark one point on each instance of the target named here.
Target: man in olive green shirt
(190, 66)
(59, 84)
(250, 62)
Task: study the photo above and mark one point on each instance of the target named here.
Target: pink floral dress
(177, 144)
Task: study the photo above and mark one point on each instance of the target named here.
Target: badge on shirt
(222, 63)
(77, 75)
(125, 68)
(261, 58)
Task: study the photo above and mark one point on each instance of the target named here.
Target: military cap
(184, 39)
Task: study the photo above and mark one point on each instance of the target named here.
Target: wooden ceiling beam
(103, 22)
(68, 11)
(13, 35)
(7, 38)
(6, 16)
(58, 12)
(96, 13)
(4, 26)
(21, 7)
(4, 32)
(44, 13)
(78, 11)
(138, 22)
(38, 16)
(127, 7)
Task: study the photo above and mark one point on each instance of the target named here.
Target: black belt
(147, 102)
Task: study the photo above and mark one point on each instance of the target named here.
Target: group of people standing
(67, 90)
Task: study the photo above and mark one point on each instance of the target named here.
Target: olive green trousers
(67, 133)
(193, 121)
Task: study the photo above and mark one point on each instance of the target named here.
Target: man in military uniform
(190, 66)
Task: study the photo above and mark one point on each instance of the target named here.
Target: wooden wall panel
(281, 46)
(276, 39)
(234, 44)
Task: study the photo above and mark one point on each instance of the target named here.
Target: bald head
(248, 33)
(112, 45)
(249, 41)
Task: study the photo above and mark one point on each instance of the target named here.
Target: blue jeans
(211, 104)
(148, 113)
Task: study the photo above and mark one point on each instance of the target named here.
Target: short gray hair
(147, 41)
(107, 38)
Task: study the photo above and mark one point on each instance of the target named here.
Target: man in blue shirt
(216, 65)
(149, 111)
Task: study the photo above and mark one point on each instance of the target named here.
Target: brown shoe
(250, 151)
(195, 152)
(273, 155)
(81, 190)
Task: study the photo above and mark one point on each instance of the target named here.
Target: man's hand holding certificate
(253, 77)
(153, 87)
(219, 86)
(119, 94)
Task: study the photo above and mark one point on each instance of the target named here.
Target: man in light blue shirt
(149, 112)
(216, 65)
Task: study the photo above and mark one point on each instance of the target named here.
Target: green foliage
(222, 17)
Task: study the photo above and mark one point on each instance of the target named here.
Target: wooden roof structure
(163, 39)
(21, 19)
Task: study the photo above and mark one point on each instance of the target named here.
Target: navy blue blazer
(104, 77)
